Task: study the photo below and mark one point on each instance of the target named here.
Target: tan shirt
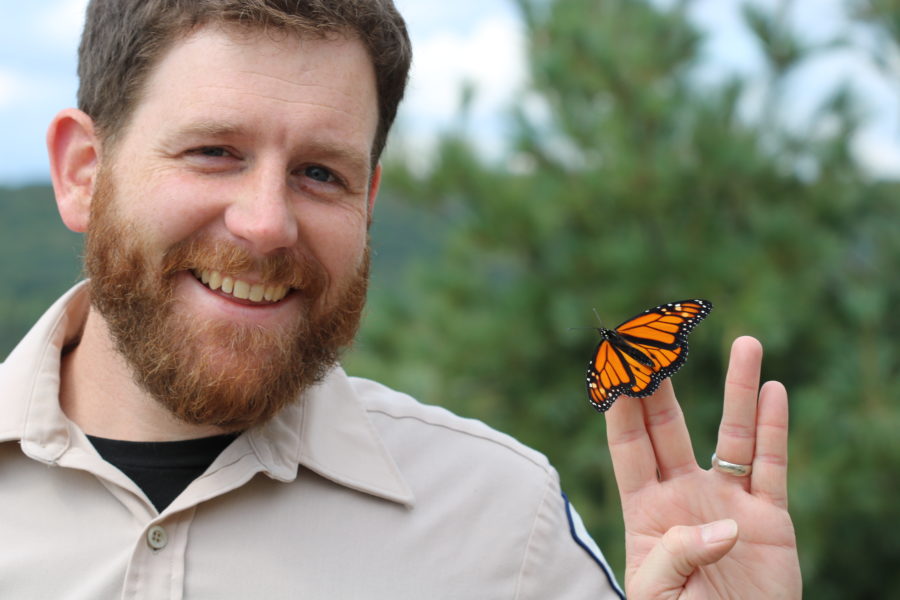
(356, 491)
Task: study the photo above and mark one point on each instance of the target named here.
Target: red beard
(213, 372)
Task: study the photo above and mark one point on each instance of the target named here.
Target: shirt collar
(328, 431)
(29, 380)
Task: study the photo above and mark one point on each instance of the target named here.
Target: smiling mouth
(240, 289)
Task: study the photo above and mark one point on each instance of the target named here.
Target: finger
(668, 432)
(679, 553)
(737, 430)
(769, 479)
(630, 448)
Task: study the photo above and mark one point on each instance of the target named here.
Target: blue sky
(474, 40)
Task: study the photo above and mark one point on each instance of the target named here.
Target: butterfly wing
(612, 372)
(641, 352)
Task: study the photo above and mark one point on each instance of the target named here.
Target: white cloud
(20, 89)
(10, 87)
(879, 153)
(60, 22)
(490, 56)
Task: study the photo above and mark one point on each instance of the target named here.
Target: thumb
(681, 550)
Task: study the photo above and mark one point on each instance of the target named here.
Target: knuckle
(737, 430)
(741, 385)
(664, 417)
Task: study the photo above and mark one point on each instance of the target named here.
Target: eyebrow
(209, 128)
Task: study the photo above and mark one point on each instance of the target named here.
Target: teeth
(241, 289)
(227, 284)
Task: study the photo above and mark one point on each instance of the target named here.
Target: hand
(697, 533)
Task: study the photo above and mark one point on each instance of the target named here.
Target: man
(178, 426)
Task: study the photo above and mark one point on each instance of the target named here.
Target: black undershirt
(162, 469)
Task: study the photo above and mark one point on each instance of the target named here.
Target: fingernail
(719, 531)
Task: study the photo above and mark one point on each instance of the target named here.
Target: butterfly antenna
(596, 314)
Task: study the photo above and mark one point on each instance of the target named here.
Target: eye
(319, 173)
(212, 151)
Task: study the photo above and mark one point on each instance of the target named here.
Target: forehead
(263, 81)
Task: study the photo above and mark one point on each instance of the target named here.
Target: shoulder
(411, 428)
(505, 495)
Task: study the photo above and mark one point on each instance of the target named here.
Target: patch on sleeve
(583, 539)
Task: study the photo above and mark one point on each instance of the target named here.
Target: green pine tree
(632, 182)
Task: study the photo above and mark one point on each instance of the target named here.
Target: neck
(99, 394)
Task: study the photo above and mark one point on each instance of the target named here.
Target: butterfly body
(634, 357)
(623, 345)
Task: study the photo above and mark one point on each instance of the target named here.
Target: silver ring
(723, 466)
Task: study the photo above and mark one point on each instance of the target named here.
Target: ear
(374, 184)
(74, 151)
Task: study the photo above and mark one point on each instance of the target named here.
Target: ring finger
(737, 431)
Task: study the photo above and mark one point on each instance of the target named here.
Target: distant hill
(42, 259)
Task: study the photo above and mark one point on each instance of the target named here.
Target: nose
(262, 214)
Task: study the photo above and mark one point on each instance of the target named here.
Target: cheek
(338, 243)
(173, 211)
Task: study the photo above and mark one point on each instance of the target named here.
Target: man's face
(227, 241)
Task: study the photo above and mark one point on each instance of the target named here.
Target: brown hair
(123, 40)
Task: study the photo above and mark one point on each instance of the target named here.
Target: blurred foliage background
(630, 182)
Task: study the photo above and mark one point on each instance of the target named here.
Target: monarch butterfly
(636, 356)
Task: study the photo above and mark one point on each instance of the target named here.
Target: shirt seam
(32, 384)
(538, 463)
(532, 535)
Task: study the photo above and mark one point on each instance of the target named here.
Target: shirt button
(157, 538)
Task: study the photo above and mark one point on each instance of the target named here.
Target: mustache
(295, 268)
